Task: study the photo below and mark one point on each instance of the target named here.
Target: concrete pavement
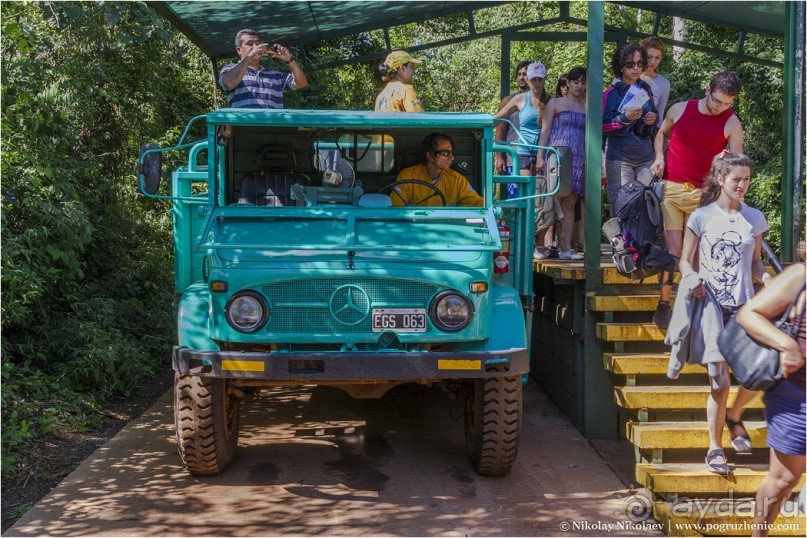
(313, 461)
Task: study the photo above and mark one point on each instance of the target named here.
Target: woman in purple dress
(564, 124)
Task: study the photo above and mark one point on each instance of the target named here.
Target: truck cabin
(265, 164)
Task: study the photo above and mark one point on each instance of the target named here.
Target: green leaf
(112, 16)
(54, 252)
(125, 38)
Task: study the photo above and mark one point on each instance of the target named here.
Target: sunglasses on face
(444, 152)
(631, 65)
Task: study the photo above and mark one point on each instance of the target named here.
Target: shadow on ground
(313, 461)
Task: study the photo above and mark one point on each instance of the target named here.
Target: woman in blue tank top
(529, 106)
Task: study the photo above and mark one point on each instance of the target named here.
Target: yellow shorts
(680, 200)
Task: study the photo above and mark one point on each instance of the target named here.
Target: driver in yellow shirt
(436, 170)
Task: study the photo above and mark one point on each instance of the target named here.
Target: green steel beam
(505, 68)
(792, 130)
(720, 53)
(597, 412)
(434, 44)
(508, 38)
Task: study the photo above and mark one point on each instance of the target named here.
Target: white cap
(536, 69)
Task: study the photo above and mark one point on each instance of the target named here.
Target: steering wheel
(388, 189)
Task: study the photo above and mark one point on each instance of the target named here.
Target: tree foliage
(86, 261)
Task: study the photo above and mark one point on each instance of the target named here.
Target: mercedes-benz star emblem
(349, 304)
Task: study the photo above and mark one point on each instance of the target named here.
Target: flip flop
(740, 443)
(717, 463)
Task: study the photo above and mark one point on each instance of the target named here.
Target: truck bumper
(359, 367)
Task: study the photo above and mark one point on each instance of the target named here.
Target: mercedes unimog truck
(293, 267)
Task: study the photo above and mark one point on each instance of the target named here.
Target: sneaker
(663, 315)
(553, 252)
(540, 253)
(570, 255)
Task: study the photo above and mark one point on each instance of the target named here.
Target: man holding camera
(248, 84)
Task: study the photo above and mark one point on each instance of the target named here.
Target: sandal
(741, 443)
(717, 463)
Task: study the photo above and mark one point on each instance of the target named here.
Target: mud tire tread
(206, 442)
(493, 424)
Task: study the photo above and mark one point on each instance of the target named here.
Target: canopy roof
(212, 25)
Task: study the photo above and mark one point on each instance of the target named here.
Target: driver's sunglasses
(443, 152)
(631, 65)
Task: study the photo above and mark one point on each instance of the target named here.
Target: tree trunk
(679, 34)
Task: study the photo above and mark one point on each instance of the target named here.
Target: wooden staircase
(665, 421)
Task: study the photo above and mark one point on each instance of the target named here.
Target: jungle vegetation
(87, 263)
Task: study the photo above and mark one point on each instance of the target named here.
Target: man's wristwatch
(292, 60)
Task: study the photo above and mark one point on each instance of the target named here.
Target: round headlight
(450, 311)
(246, 311)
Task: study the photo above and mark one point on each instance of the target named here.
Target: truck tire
(207, 420)
(492, 424)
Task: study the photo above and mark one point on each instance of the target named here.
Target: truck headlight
(450, 311)
(247, 311)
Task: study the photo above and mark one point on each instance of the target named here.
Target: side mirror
(559, 173)
(150, 170)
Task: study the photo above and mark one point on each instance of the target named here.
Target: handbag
(755, 365)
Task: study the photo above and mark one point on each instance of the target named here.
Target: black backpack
(635, 232)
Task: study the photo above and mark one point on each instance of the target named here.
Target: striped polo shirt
(258, 89)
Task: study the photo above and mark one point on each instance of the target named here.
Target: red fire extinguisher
(501, 260)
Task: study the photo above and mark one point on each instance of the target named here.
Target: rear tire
(207, 421)
(492, 424)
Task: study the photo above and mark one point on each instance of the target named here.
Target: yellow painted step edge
(644, 363)
(693, 478)
(622, 303)
(671, 435)
(672, 397)
(719, 517)
(629, 332)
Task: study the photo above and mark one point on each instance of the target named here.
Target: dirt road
(313, 461)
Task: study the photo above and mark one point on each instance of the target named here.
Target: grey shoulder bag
(755, 365)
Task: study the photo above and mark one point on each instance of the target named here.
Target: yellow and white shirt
(453, 185)
(398, 97)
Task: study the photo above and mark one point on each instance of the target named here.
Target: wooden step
(640, 302)
(629, 332)
(672, 397)
(722, 517)
(671, 435)
(692, 479)
(560, 269)
(611, 276)
(644, 363)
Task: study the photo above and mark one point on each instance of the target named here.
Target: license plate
(408, 320)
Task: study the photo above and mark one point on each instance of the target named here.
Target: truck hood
(261, 234)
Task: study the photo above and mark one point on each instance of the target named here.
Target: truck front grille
(339, 305)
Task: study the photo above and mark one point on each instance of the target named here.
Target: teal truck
(293, 268)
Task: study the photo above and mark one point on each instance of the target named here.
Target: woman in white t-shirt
(725, 236)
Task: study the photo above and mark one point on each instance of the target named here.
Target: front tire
(207, 421)
(492, 424)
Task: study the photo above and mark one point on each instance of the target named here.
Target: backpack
(635, 232)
